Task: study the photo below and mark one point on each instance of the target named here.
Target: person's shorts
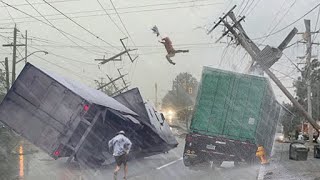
(121, 159)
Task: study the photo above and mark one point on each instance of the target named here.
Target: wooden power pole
(14, 46)
(6, 62)
(265, 58)
(307, 36)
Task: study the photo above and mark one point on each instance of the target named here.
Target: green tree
(182, 96)
(3, 88)
(300, 86)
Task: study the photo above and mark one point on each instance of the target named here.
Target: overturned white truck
(68, 119)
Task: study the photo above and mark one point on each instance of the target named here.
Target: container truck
(234, 113)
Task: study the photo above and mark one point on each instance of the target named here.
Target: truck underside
(201, 148)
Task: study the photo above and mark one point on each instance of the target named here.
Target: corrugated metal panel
(90, 94)
(233, 105)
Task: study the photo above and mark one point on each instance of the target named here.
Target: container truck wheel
(187, 161)
(217, 163)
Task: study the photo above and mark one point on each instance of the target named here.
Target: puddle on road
(9, 168)
(21, 162)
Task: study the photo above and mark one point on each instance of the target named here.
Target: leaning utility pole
(125, 84)
(265, 58)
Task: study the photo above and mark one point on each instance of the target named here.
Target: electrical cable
(68, 70)
(49, 24)
(285, 27)
(53, 2)
(284, 15)
(63, 57)
(249, 6)
(315, 28)
(250, 11)
(79, 25)
(115, 9)
(125, 12)
(57, 28)
(244, 7)
(111, 18)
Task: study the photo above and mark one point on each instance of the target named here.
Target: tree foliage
(300, 86)
(182, 96)
(2, 84)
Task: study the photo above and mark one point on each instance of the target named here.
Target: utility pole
(113, 58)
(14, 45)
(26, 48)
(265, 58)
(14, 54)
(156, 94)
(127, 50)
(6, 62)
(307, 36)
(308, 78)
(124, 82)
(113, 82)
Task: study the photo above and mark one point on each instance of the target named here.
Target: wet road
(38, 166)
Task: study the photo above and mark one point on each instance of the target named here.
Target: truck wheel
(217, 163)
(187, 161)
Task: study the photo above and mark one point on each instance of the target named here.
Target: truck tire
(217, 163)
(187, 161)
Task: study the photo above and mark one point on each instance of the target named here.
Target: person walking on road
(120, 145)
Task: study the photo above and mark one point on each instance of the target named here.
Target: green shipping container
(236, 106)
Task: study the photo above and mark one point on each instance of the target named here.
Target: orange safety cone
(261, 154)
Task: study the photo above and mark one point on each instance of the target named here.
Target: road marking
(170, 163)
(261, 173)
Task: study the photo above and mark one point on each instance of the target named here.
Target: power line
(141, 46)
(315, 28)
(9, 14)
(244, 7)
(64, 57)
(249, 6)
(53, 2)
(79, 25)
(284, 15)
(240, 7)
(110, 17)
(115, 9)
(49, 24)
(55, 27)
(280, 30)
(286, 75)
(250, 11)
(126, 12)
(68, 70)
(129, 7)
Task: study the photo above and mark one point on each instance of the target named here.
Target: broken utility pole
(263, 59)
(111, 82)
(127, 50)
(125, 84)
(113, 58)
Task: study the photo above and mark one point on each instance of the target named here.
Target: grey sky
(185, 26)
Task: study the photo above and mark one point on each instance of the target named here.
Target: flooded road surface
(33, 164)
